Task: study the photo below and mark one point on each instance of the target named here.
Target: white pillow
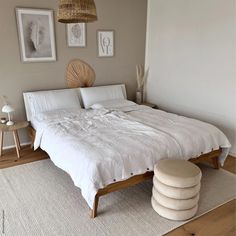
(113, 104)
(94, 95)
(51, 100)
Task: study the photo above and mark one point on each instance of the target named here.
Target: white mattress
(100, 147)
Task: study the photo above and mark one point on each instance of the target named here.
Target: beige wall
(191, 52)
(126, 17)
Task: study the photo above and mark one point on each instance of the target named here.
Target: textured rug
(40, 199)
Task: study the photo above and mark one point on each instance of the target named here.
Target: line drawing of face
(105, 44)
(76, 31)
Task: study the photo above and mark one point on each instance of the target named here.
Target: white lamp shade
(7, 109)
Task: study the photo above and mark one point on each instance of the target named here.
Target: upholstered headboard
(39, 101)
(93, 95)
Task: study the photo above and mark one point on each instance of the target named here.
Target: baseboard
(13, 146)
(232, 154)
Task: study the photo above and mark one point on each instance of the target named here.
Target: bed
(114, 143)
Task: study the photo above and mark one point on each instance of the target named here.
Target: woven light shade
(76, 11)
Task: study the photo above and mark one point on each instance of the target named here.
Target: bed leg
(215, 162)
(95, 207)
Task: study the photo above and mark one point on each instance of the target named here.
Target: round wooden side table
(14, 129)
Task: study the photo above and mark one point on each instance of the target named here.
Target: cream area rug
(40, 199)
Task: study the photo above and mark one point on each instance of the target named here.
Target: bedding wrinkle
(183, 128)
(97, 147)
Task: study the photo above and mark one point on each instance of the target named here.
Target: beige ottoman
(176, 186)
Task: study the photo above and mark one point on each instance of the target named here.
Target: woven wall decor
(79, 74)
(77, 11)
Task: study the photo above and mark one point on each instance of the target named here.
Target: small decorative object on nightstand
(14, 129)
(150, 105)
(8, 109)
(3, 120)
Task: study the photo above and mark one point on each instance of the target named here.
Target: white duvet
(102, 146)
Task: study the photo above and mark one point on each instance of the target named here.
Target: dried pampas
(141, 79)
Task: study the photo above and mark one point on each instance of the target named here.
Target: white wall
(191, 53)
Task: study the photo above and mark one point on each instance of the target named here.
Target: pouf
(173, 214)
(176, 186)
(175, 204)
(177, 173)
(173, 192)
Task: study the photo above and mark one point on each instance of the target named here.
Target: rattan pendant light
(76, 11)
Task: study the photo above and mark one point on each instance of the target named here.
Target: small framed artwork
(36, 34)
(76, 34)
(106, 42)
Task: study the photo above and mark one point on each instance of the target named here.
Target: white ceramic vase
(139, 97)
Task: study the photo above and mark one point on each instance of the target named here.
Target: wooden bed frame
(211, 157)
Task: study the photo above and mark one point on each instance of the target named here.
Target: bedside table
(149, 105)
(14, 129)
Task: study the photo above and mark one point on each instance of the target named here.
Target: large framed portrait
(105, 43)
(36, 34)
(76, 34)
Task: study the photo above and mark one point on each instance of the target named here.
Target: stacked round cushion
(176, 186)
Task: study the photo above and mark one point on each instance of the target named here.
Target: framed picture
(76, 34)
(36, 34)
(105, 41)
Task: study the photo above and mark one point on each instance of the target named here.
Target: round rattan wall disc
(79, 74)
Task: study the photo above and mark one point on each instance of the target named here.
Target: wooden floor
(10, 159)
(219, 222)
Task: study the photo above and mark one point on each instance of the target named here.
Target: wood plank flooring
(219, 222)
(10, 159)
(230, 164)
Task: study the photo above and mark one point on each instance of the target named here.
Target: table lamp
(8, 109)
